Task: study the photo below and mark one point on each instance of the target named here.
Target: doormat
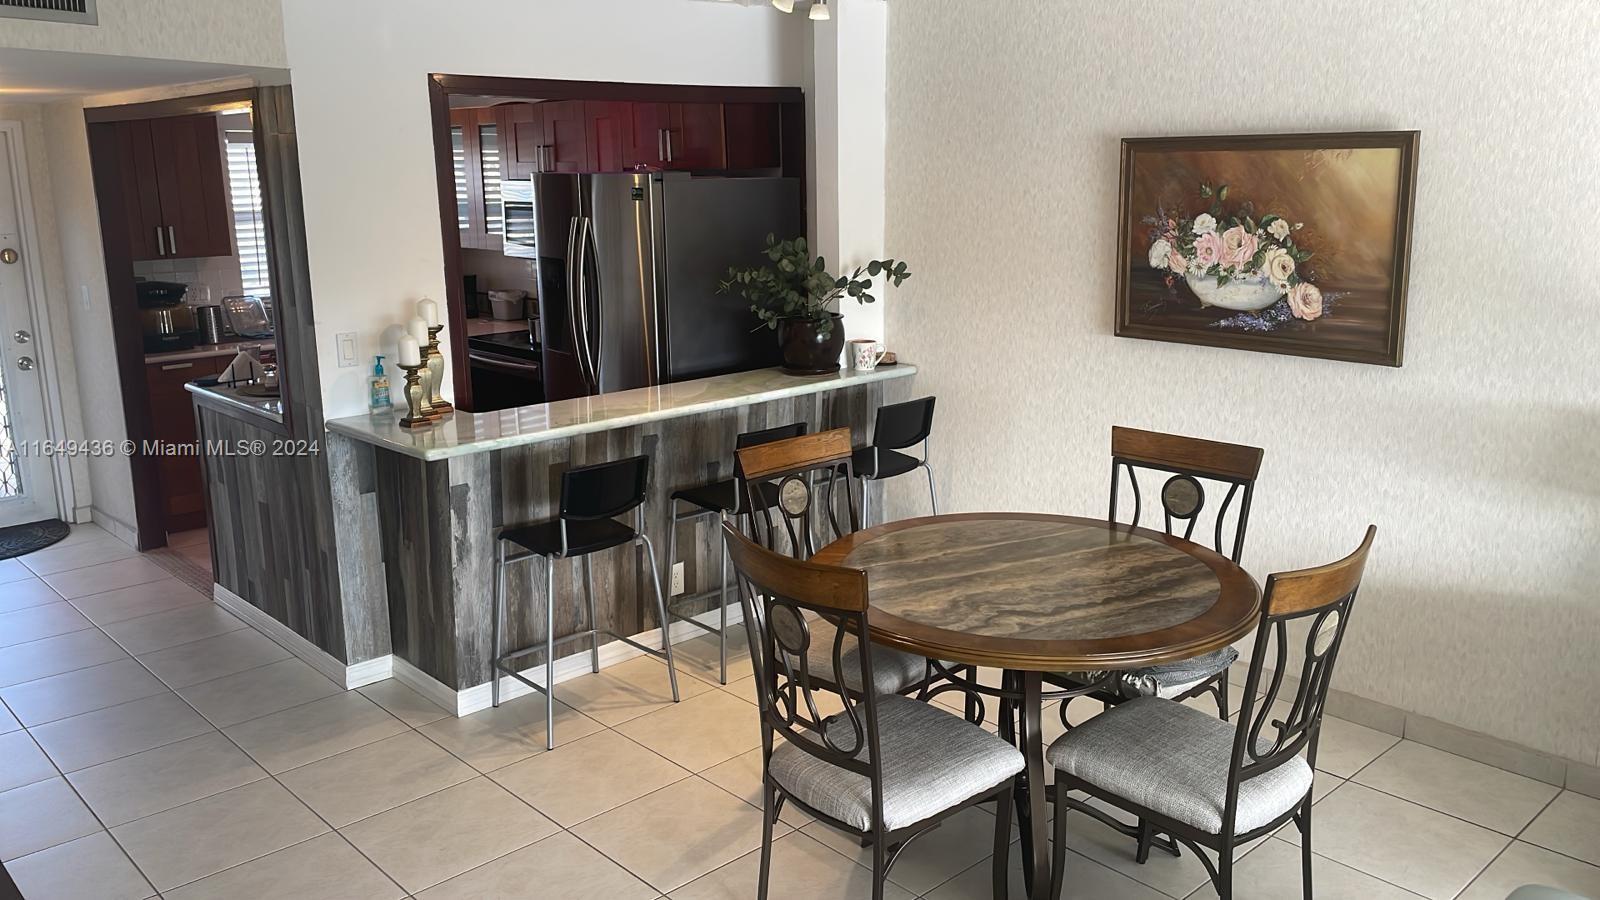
(19, 539)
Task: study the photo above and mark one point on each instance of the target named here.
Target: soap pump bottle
(378, 389)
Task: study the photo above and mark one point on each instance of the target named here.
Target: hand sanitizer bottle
(378, 389)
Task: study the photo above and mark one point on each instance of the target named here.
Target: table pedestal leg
(1019, 725)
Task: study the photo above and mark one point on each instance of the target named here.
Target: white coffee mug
(866, 354)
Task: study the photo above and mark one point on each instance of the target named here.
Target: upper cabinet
(175, 187)
(476, 149)
(678, 136)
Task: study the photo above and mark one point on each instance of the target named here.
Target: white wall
(371, 204)
(1477, 460)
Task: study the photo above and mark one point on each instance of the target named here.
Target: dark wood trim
(1233, 616)
(455, 305)
(1407, 142)
(551, 89)
(175, 106)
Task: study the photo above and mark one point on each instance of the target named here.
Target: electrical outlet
(677, 579)
(346, 341)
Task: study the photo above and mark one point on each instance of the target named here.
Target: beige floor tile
(63, 556)
(741, 776)
(1174, 876)
(323, 868)
(1523, 863)
(404, 703)
(801, 869)
(198, 839)
(494, 738)
(106, 734)
(157, 780)
(1344, 748)
(83, 532)
(313, 731)
(1483, 795)
(92, 866)
(52, 656)
(1273, 872)
(745, 689)
(161, 630)
(699, 657)
(699, 732)
(13, 570)
(36, 622)
(105, 577)
(584, 778)
(1405, 844)
(376, 778)
(40, 815)
(563, 867)
(22, 762)
(26, 593)
(258, 692)
(932, 859)
(80, 691)
(675, 835)
(1571, 825)
(139, 600)
(213, 657)
(1085, 879)
(8, 722)
(438, 837)
(625, 691)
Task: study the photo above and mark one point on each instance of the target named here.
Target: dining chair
(895, 428)
(885, 768)
(1209, 784)
(1190, 466)
(797, 493)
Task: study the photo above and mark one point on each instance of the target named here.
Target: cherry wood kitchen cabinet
(610, 125)
(523, 138)
(175, 187)
(566, 130)
(754, 135)
(172, 421)
(678, 136)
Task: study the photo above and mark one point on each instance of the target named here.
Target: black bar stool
(720, 498)
(899, 426)
(592, 497)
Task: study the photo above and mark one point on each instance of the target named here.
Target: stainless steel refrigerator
(628, 267)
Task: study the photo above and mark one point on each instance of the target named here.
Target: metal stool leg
(661, 605)
(933, 496)
(497, 616)
(866, 502)
(594, 621)
(722, 620)
(549, 653)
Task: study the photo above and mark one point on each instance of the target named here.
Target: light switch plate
(346, 341)
(677, 579)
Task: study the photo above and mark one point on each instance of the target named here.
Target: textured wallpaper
(241, 32)
(1478, 460)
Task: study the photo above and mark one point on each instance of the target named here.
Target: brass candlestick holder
(435, 361)
(416, 409)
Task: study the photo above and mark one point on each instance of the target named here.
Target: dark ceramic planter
(806, 351)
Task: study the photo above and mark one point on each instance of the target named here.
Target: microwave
(517, 198)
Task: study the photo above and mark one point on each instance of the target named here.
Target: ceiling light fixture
(819, 11)
(784, 5)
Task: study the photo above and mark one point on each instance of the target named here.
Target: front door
(27, 488)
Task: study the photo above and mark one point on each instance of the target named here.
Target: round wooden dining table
(1030, 594)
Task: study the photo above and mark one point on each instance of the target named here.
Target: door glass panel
(458, 155)
(10, 474)
(489, 154)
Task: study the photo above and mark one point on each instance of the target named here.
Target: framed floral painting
(1292, 243)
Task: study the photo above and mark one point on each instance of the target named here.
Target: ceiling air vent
(80, 12)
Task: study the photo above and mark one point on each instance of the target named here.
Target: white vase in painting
(1246, 293)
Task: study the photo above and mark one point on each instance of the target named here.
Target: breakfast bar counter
(417, 511)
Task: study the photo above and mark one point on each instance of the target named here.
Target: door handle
(582, 301)
(25, 363)
(661, 144)
(574, 285)
(22, 337)
(172, 366)
(172, 236)
(8, 256)
(668, 132)
(161, 242)
(596, 358)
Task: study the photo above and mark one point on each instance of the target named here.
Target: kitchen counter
(267, 407)
(464, 433)
(205, 351)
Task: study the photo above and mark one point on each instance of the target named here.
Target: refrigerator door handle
(574, 304)
(596, 359)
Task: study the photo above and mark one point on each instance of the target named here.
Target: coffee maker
(168, 323)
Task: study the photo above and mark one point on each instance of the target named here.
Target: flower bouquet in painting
(1235, 261)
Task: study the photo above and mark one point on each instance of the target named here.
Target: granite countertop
(204, 351)
(463, 432)
(267, 407)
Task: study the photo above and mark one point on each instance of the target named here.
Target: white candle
(410, 353)
(428, 311)
(419, 330)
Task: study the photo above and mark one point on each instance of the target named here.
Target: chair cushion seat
(1173, 759)
(583, 537)
(723, 496)
(877, 463)
(1168, 681)
(893, 671)
(931, 761)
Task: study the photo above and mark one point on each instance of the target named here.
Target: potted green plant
(797, 297)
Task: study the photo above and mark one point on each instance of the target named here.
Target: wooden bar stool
(898, 426)
(719, 498)
(592, 497)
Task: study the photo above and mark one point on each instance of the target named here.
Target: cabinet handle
(170, 366)
(172, 236)
(669, 144)
(161, 242)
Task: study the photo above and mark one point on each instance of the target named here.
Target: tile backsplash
(219, 273)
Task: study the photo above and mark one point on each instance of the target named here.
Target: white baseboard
(119, 529)
(358, 675)
(478, 697)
